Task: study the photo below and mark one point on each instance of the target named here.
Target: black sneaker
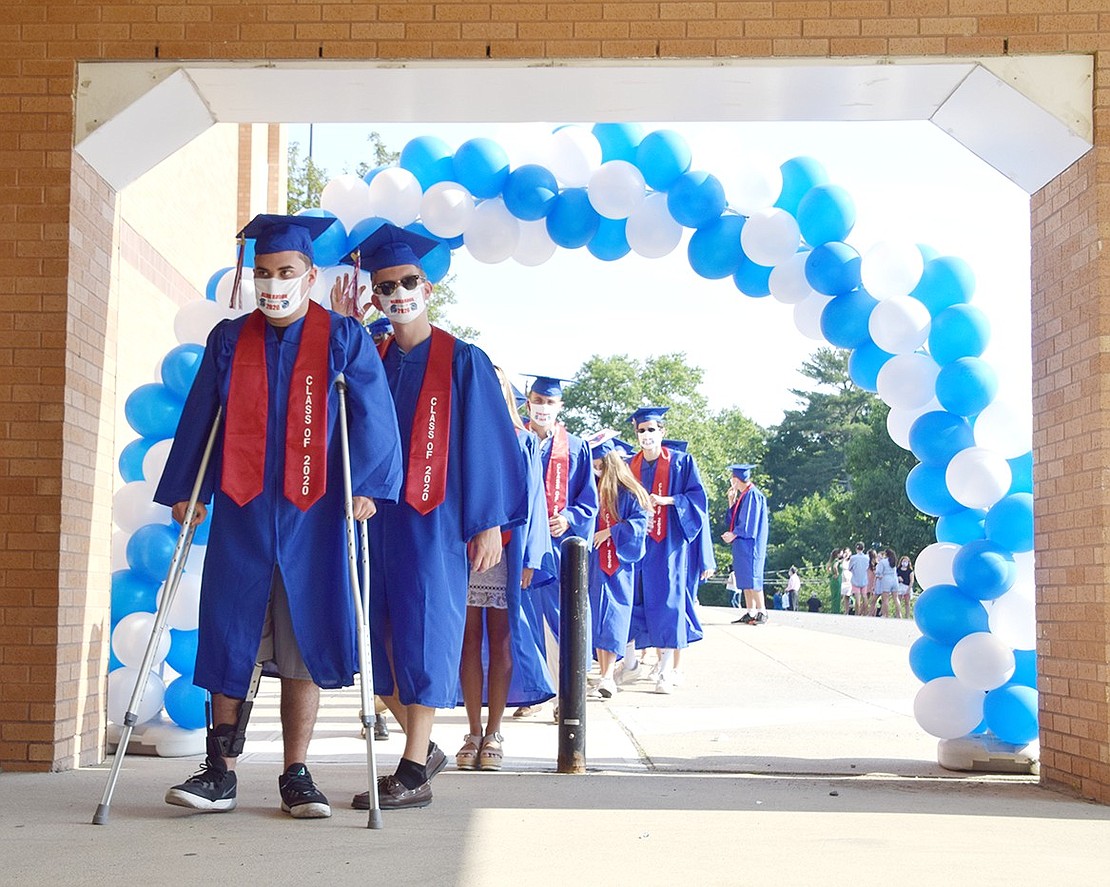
(299, 796)
(760, 618)
(746, 619)
(211, 789)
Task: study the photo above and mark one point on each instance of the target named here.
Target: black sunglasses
(386, 287)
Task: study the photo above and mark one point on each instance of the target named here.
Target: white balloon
(770, 236)
(154, 462)
(982, 662)
(978, 477)
(348, 196)
(121, 687)
(395, 194)
(898, 424)
(133, 506)
(535, 246)
(447, 209)
(616, 189)
(197, 554)
(226, 284)
(119, 550)
(934, 564)
(494, 234)
(1013, 619)
(184, 613)
(907, 381)
(756, 185)
(194, 321)
(651, 231)
(1006, 428)
(525, 143)
(131, 637)
(899, 324)
(947, 709)
(788, 282)
(890, 269)
(1026, 572)
(575, 154)
(807, 315)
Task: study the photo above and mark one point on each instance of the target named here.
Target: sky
(910, 182)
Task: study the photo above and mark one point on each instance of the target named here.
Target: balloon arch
(903, 311)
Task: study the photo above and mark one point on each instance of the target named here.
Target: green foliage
(443, 295)
(306, 181)
(805, 532)
(381, 154)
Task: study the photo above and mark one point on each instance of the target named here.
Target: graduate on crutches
(277, 588)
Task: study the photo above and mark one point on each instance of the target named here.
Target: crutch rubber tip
(375, 820)
(101, 815)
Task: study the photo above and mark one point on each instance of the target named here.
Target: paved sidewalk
(789, 754)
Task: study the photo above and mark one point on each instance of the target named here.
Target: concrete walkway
(789, 754)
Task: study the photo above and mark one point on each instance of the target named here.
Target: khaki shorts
(278, 650)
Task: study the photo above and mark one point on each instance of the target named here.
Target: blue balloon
(946, 615)
(833, 269)
(153, 411)
(799, 176)
(530, 192)
(609, 243)
(966, 386)
(482, 167)
(131, 459)
(945, 281)
(179, 368)
(662, 156)
(455, 242)
(133, 592)
(573, 221)
(429, 159)
(182, 657)
(927, 252)
(1009, 522)
(361, 230)
(1025, 668)
(961, 527)
(864, 364)
(213, 282)
(436, 263)
(618, 141)
(1011, 713)
(696, 198)
(844, 319)
(984, 570)
(937, 436)
(1021, 471)
(929, 660)
(826, 213)
(184, 703)
(714, 250)
(113, 661)
(330, 247)
(150, 550)
(752, 279)
(927, 491)
(958, 331)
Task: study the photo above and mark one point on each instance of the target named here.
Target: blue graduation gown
(529, 546)
(581, 514)
(661, 612)
(611, 596)
(247, 544)
(749, 548)
(419, 562)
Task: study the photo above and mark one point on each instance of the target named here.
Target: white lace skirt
(488, 589)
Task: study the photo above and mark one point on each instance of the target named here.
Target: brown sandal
(466, 758)
(490, 756)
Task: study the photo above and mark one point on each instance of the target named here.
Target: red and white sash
(736, 511)
(660, 486)
(607, 551)
(558, 467)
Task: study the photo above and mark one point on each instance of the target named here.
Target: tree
(382, 155)
(306, 181)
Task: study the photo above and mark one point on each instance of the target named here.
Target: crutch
(360, 593)
(169, 592)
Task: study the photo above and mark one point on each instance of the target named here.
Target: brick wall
(45, 582)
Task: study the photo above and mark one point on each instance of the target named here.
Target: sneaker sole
(307, 811)
(195, 802)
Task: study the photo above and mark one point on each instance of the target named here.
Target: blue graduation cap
(648, 414)
(519, 398)
(602, 443)
(679, 445)
(741, 471)
(380, 326)
(275, 234)
(546, 386)
(389, 246)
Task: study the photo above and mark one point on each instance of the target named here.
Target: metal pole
(573, 654)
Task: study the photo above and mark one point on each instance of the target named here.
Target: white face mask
(404, 306)
(905, 564)
(279, 298)
(543, 414)
(650, 440)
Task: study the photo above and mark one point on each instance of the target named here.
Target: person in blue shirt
(747, 534)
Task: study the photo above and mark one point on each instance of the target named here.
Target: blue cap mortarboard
(520, 399)
(276, 234)
(380, 326)
(741, 471)
(603, 442)
(390, 246)
(648, 414)
(679, 445)
(547, 386)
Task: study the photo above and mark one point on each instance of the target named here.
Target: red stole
(607, 552)
(660, 486)
(736, 511)
(306, 427)
(558, 467)
(426, 478)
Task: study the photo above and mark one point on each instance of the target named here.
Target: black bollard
(573, 654)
